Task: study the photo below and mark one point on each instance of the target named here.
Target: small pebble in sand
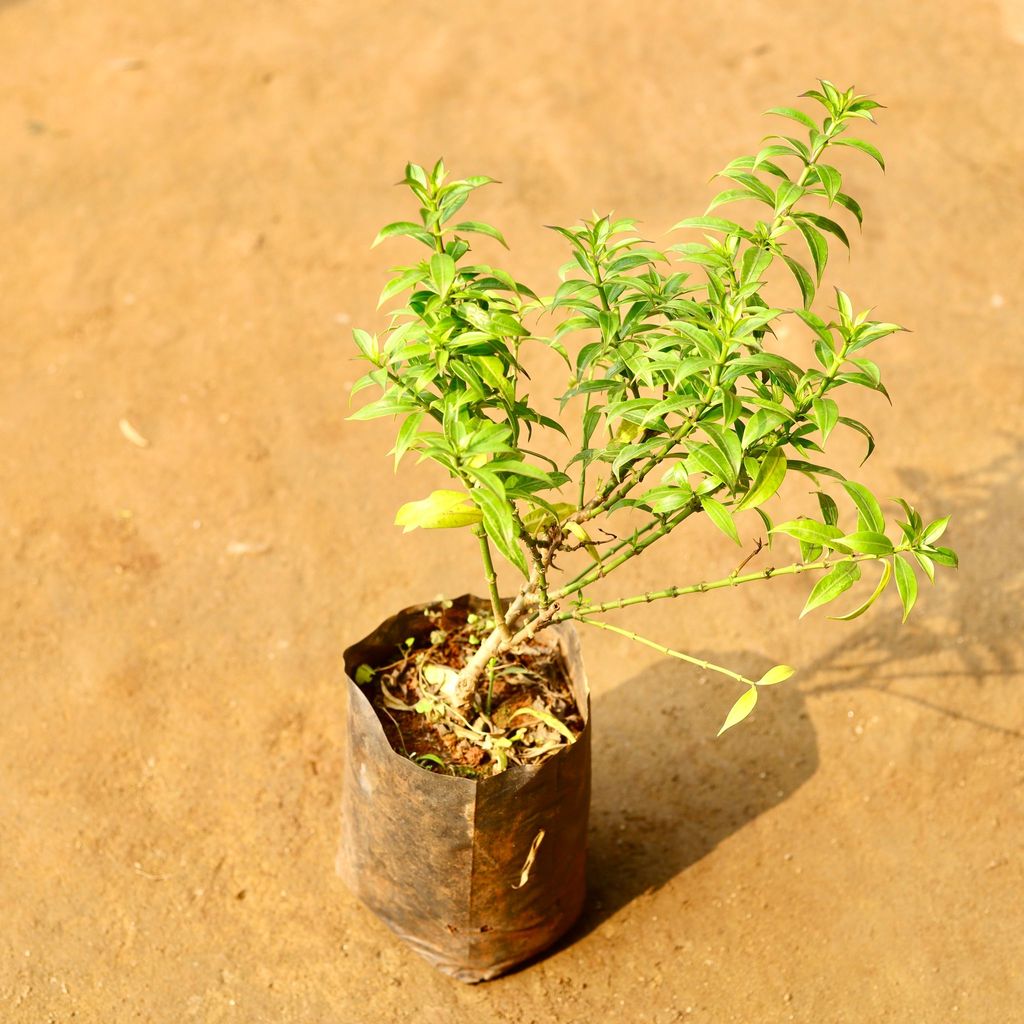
(239, 547)
(131, 434)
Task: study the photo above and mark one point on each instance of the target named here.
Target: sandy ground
(188, 195)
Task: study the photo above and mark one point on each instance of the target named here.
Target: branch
(700, 662)
(654, 530)
(540, 567)
(492, 580)
(731, 580)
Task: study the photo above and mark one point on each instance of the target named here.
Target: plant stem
(599, 284)
(492, 580)
(732, 580)
(498, 640)
(636, 546)
(490, 686)
(671, 652)
(630, 541)
(536, 556)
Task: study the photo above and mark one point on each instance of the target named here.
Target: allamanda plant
(679, 405)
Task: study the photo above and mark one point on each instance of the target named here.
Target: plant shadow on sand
(666, 792)
(972, 617)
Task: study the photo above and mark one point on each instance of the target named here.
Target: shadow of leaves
(666, 792)
(972, 616)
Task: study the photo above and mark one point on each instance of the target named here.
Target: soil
(532, 677)
(189, 194)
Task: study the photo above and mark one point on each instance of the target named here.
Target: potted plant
(468, 771)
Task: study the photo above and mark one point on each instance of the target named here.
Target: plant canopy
(680, 399)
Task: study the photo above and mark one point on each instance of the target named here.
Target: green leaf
(808, 531)
(812, 469)
(824, 224)
(479, 228)
(767, 521)
(414, 174)
(816, 244)
(399, 284)
(787, 193)
(870, 332)
(727, 227)
(829, 508)
(727, 443)
(779, 674)
(665, 499)
(906, 584)
(442, 510)
(867, 505)
(390, 404)
(538, 517)
(803, 279)
(944, 556)
(367, 344)
(771, 151)
(406, 435)
(927, 564)
(732, 195)
(764, 421)
(870, 371)
(442, 272)
(770, 475)
(862, 105)
(864, 147)
(864, 431)
(845, 307)
(825, 414)
(861, 609)
(935, 530)
(850, 204)
(842, 576)
(736, 368)
(913, 519)
(794, 115)
(719, 515)
(499, 524)
(708, 458)
(404, 227)
(831, 180)
(740, 709)
(868, 542)
(753, 185)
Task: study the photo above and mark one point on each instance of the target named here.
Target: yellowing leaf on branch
(442, 510)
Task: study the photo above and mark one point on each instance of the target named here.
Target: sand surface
(188, 195)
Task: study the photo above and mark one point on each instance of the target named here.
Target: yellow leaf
(587, 541)
(740, 709)
(442, 510)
